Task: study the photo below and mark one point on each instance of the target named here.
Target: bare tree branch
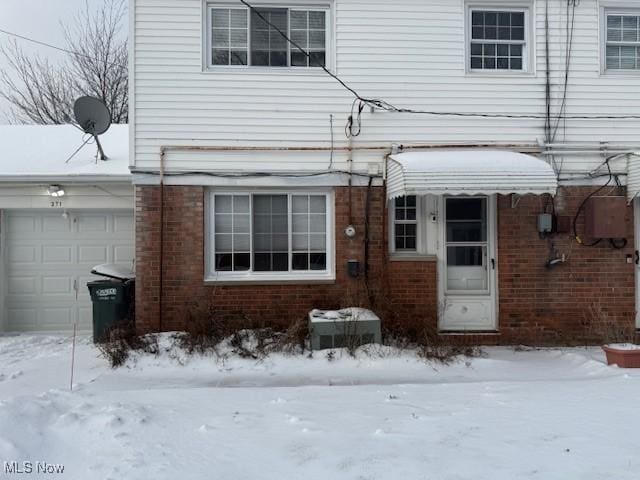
(41, 92)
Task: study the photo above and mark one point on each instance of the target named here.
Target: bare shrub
(122, 339)
(602, 328)
(206, 330)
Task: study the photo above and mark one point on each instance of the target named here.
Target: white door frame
(445, 299)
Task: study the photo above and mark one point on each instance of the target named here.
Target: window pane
(220, 57)
(223, 223)
(517, 19)
(300, 261)
(228, 36)
(298, 59)
(298, 19)
(466, 231)
(317, 20)
(317, 59)
(231, 249)
(220, 18)
(220, 38)
(238, 19)
(238, 57)
(241, 261)
(466, 209)
(223, 203)
(477, 18)
(224, 262)
(270, 232)
(318, 261)
(614, 34)
(465, 256)
(268, 46)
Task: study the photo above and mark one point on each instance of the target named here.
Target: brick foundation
(538, 305)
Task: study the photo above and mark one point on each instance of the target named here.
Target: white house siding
(409, 52)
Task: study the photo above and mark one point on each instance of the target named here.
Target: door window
(466, 244)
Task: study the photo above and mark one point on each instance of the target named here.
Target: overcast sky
(38, 19)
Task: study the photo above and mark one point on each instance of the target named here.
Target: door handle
(493, 264)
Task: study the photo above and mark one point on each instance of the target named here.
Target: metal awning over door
(468, 172)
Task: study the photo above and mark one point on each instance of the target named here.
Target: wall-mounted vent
(349, 327)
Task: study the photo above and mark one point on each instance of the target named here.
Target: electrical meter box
(604, 217)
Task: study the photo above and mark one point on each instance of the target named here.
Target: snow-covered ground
(547, 414)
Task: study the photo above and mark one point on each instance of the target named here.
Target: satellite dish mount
(94, 118)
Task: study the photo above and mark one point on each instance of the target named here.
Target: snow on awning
(468, 172)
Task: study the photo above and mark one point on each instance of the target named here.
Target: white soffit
(468, 172)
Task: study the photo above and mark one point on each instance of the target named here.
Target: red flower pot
(623, 357)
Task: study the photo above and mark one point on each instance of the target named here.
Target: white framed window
(404, 220)
(498, 38)
(413, 226)
(270, 235)
(621, 40)
(238, 36)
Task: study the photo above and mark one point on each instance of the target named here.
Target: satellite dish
(92, 115)
(94, 118)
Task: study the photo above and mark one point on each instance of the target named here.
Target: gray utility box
(349, 327)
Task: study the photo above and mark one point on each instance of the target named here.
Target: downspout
(161, 247)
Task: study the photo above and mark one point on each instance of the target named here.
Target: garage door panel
(57, 285)
(22, 254)
(93, 223)
(23, 224)
(47, 254)
(57, 254)
(22, 285)
(20, 318)
(94, 254)
(56, 224)
(123, 223)
(123, 254)
(57, 316)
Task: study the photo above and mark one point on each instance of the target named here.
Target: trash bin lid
(114, 270)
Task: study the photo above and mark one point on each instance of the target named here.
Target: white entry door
(467, 264)
(47, 263)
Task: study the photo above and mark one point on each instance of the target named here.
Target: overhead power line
(384, 105)
(55, 47)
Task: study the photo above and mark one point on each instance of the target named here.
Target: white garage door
(47, 263)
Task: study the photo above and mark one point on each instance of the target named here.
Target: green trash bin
(112, 304)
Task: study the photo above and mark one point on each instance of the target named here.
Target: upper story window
(239, 36)
(622, 41)
(498, 39)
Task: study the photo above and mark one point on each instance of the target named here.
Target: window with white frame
(497, 39)
(240, 36)
(405, 224)
(622, 47)
(262, 234)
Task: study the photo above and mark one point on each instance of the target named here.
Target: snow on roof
(39, 152)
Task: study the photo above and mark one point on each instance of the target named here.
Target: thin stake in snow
(73, 355)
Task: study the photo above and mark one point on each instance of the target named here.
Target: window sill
(289, 279)
(469, 332)
(399, 257)
(513, 74)
(253, 70)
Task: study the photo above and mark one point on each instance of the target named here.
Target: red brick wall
(184, 292)
(537, 305)
(570, 302)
